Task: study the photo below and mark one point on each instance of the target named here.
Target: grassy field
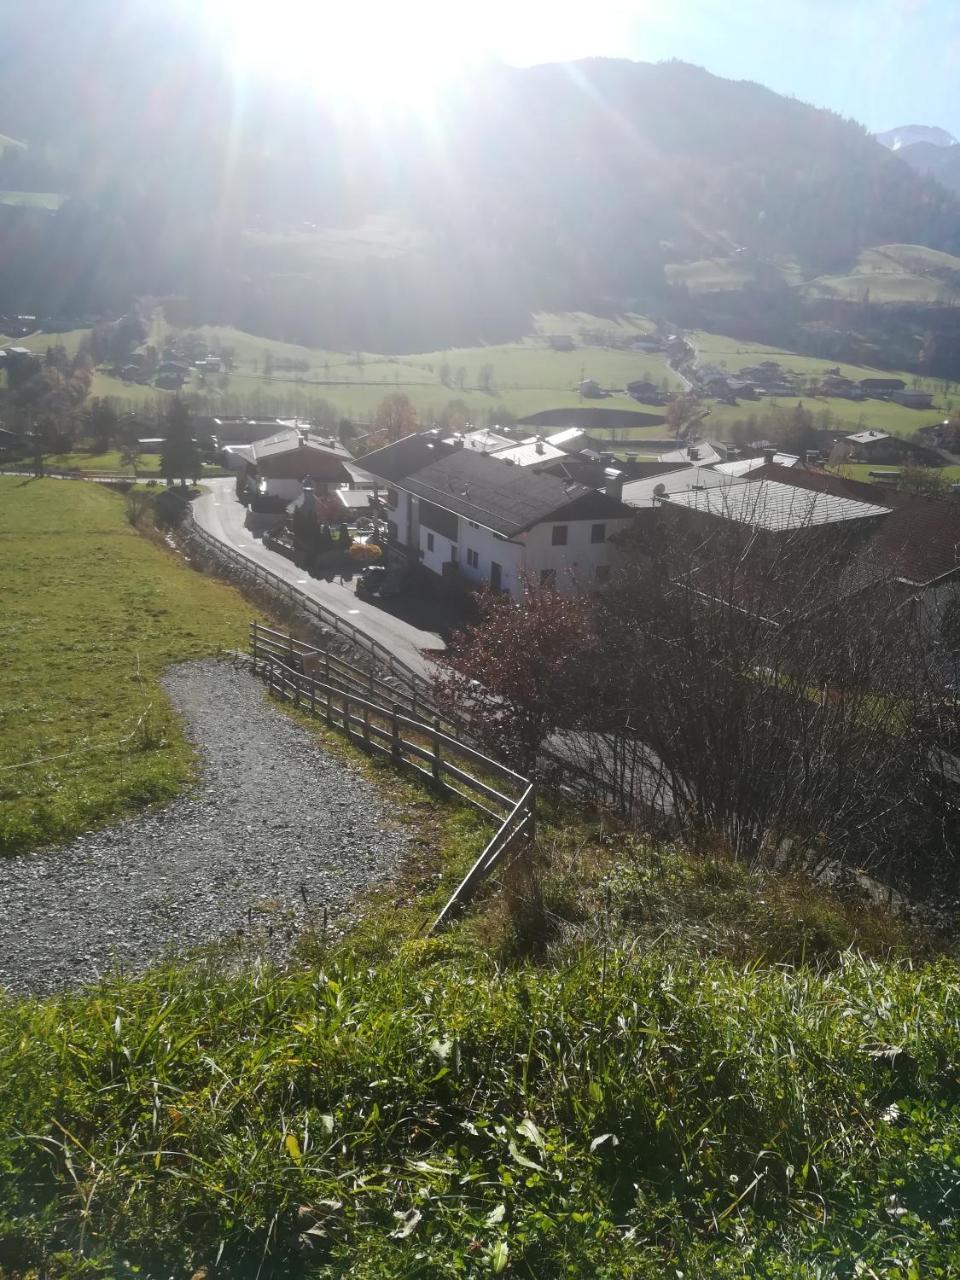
(92, 614)
(108, 463)
(732, 354)
(861, 471)
(32, 199)
(710, 1083)
(528, 376)
(711, 275)
(378, 237)
(70, 341)
(896, 273)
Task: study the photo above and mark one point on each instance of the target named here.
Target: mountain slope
(928, 150)
(909, 135)
(557, 187)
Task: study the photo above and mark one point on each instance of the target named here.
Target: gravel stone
(273, 832)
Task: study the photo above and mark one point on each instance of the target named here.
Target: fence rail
(347, 701)
(416, 684)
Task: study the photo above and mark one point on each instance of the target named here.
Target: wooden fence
(382, 720)
(380, 654)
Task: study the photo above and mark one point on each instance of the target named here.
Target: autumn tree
(509, 675)
(395, 418)
(682, 412)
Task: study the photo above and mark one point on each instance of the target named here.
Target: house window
(429, 541)
(548, 577)
(496, 576)
(598, 533)
(473, 559)
(392, 499)
(453, 553)
(559, 535)
(603, 573)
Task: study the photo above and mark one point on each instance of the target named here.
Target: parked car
(267, 504)
(378, 580)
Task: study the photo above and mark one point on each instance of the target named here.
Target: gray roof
(776, 507)
(530, 452)
(394, 462)
(507, 499)
(868, 437)
(290, 440)
(705, 452)
(645, 492)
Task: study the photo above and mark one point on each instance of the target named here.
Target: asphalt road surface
(219, 513)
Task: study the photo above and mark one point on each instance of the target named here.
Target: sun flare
(374, 52)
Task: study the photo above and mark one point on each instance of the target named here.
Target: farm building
(913, 399)
(882, 387)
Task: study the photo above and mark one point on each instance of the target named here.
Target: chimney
(539, 444)
(613, 483)
(693, 453)
(768, 456)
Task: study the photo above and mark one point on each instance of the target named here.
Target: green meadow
(93, 612)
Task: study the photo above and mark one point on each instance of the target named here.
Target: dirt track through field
(274, 831)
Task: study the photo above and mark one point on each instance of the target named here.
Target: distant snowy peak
(909, 134)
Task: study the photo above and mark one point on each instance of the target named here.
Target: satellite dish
(659, 490)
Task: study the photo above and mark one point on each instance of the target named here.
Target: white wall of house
(291, 489)
(574, 565)
(478, 549)
(286, 489)
(576, 562)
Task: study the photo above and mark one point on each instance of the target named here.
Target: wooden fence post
(532, 807)
(346, 714)
(395, 727)
(329, 705)
(313, 697)
(296, 690)
(435, 764)
(366, 725)
(290, 648)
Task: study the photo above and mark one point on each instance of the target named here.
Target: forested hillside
(552, 187)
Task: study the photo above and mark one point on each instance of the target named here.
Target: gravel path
(274, 831)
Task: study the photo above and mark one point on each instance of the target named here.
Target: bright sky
(883, 62)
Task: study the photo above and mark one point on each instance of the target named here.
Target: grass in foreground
(624, 1114)
(92, 614)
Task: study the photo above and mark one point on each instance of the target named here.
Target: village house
(880, 447)
(279, 465)
(485, 520)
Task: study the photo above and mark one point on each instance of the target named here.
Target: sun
(377, 52)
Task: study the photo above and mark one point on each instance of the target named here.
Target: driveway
(220, 514)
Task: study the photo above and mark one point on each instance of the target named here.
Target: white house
(474, 515)
(280, 464)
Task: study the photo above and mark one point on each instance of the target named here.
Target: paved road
(220, 514)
